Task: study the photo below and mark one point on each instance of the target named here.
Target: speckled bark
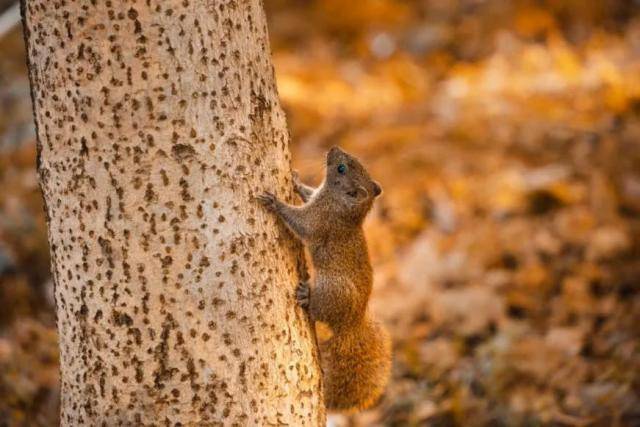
(158, 121)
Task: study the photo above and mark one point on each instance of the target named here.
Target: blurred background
(506, 136)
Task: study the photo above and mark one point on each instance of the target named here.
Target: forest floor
(506, 245)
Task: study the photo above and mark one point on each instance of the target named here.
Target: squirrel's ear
(377, 190)
(363, 194)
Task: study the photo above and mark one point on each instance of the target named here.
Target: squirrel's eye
(342, 168)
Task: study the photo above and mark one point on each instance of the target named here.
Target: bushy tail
(356, 365)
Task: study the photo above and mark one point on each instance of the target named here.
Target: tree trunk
(158, 122)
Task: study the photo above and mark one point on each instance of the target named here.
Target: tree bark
(158, 121)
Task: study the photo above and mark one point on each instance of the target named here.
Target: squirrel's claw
(302, 294)
(295, 178)
(267, 199)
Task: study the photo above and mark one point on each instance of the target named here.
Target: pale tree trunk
(158, 122)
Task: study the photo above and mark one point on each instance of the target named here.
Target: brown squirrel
(356, 358)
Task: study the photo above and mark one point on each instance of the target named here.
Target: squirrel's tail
(356, 365)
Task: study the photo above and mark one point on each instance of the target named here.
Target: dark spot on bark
(121, 319)
(182, 152)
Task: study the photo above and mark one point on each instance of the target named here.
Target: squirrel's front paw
(268, 200)
(297, 184)
(295, 177)
(302, 294)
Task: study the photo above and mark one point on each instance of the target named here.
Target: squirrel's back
(356, 365)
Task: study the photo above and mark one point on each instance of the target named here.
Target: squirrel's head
(350, 182)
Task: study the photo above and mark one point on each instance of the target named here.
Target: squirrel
(356, 357)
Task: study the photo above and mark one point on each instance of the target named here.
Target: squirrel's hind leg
(303, 292)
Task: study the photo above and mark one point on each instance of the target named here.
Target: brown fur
(356, 359)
